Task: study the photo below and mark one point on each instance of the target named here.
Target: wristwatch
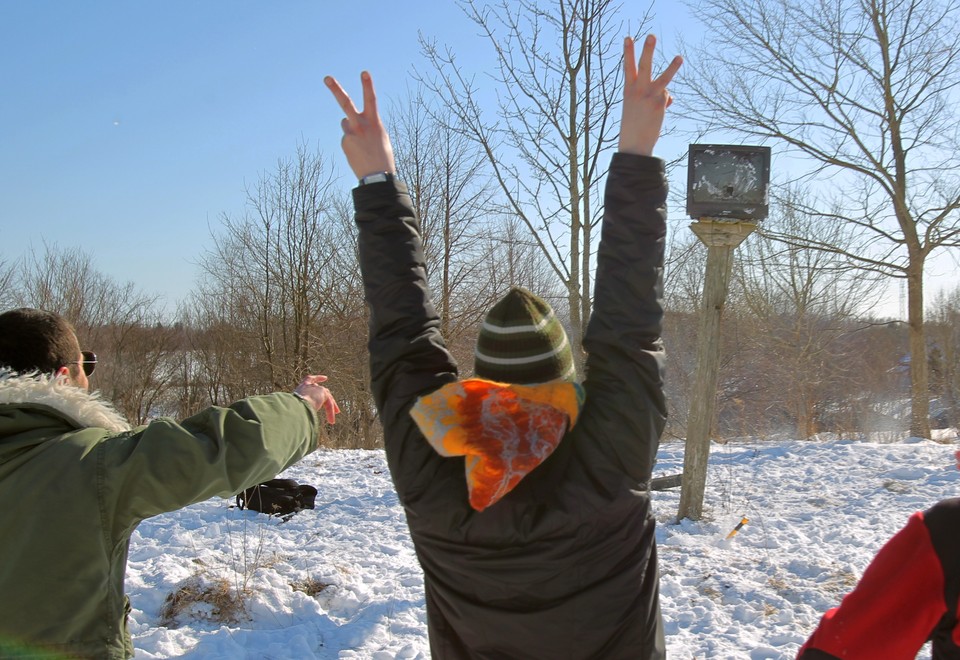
(376, 177)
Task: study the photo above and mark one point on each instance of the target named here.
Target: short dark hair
(36, 340)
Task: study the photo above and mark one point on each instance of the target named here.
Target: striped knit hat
(522, 342)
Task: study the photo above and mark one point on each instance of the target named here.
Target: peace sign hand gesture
(365, 140)
(645, 100)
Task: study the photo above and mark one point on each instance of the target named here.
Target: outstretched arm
(645, 99)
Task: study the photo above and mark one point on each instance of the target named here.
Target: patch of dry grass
(310, 586)
(213, 600)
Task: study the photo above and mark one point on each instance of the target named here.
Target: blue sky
(128, 128)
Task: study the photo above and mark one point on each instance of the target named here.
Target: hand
(644, 100)
(365, 140)
(318, 396)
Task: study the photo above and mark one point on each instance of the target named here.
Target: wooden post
(721, 238)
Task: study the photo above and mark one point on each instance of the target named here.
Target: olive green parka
(74, 483)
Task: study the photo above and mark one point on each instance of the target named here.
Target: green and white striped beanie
(522, 342)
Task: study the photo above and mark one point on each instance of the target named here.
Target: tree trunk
(919, 386)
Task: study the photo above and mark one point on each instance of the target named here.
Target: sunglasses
(89, 362)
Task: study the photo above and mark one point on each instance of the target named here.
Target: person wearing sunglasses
(76, 480)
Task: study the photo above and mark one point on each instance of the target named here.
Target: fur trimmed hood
(86, 409)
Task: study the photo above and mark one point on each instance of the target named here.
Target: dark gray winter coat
(565, 565)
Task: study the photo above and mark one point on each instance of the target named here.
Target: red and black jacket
(907, 596)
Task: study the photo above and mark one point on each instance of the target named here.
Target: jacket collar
(85, 409)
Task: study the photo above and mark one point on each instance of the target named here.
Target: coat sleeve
(167, 465)
(892, 610)
(625, 357)
(408, 357)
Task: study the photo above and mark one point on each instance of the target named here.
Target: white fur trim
(86, 409)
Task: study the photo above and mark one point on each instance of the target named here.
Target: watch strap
(376, 177)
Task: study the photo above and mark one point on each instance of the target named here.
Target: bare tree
(122, 325)
(869, 400)
(683, 286)
(66, 281)
(8, 276)
(340, 336)
(801, 303)
(865, 92)
(138, 373)
(269, 265)
(557, 77)
(282, 297)
(218, 363)
(944, 315)
(453, 198)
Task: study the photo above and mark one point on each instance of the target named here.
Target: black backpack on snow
(279, 497)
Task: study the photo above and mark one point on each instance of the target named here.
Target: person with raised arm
(526, 493)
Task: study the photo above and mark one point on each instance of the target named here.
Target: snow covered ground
(342, 581)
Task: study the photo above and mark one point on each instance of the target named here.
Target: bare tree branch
(866, 92)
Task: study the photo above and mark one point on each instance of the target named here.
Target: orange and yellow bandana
(503, 430)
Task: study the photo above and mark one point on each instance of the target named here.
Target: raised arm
(625, 356)
(408, 357)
